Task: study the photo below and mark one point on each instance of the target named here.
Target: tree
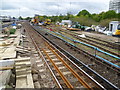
(109, 14)
(27, 18)
(54, 18)
(97, 18)
(83, 20)
(84, 13)
(41, 18)
(106, 22)
(20, 18)
(61, 17)
(118, 16)
(14, 18)
(68, 16)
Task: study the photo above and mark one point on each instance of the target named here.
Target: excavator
(36, 21)
(47, 22)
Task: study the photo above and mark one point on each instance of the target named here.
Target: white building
(66, 22)
(5, 18)
(114, 5)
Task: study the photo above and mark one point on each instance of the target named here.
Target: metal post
(95, 52)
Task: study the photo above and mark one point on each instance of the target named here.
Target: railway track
(104, 45)
(95, 67)
(91, 48)
(95, 40)
(109, 44)
(65, 72)
(107, 51)
(91, 39)
(107, 71)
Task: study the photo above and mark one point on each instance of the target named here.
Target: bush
(106, 22)
(12, 31)
(84, 21)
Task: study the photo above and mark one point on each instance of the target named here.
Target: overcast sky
(26, 8)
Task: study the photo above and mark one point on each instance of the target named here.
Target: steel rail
(78, 49)
(96, 83)
(111, 54)
(76, 60)
(73, 72)
(83, 72)
(60, 73)
(96, 45)
(88, 68)
(39, 52)
(108, 44)
(114, 66)
(84, 40)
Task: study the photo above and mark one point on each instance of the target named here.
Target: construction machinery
(47, 22)
(36, 21)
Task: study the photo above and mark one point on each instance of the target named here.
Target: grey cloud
(52, 8)
(7, 6)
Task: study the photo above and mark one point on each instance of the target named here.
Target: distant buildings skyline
(114, 5)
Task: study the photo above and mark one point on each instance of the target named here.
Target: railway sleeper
(55, 60)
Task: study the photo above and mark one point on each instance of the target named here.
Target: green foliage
(109, 14)
(61, 17)
(84, 13)
(28, 18)
(118, 16)
(13, 17)
(68, 16)
(55, 18)
(86, 18)
(20, 18)
(83, 20)
(96, 17)
(12, 31)
(41, 18)
(103, 18)
(106, 22)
